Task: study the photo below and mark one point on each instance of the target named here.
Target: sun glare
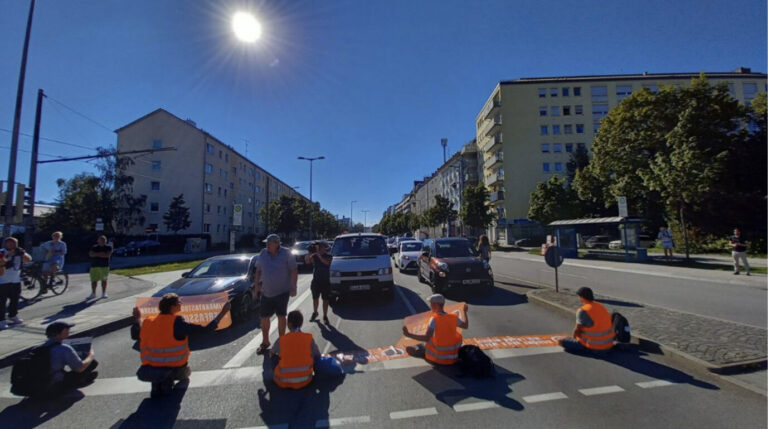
(246, 27)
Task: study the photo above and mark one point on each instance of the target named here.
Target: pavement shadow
(618, 303)
(450, 388)
(341, 342)
(159, 412)
(376, 307)
(497, 296)
(30, 413)
(303, 407)
(69, 310)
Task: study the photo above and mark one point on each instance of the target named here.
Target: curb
(650, 345)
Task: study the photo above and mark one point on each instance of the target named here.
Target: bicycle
(33, 281)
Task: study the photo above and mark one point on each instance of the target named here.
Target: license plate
(470, 281)
(360, 287)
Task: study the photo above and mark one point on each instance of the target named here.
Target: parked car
(453, 263)
(299, 250)
(407, 255)
(643, 241)
(361, 263)
(231, 273)
(136, 248)
(598, 242)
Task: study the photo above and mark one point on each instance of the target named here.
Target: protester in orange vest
(594, 328)
(163, 342)
(297, 352)
(442, 339)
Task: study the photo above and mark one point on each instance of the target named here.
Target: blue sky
(372, 86)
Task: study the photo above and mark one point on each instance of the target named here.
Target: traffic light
(28, 206)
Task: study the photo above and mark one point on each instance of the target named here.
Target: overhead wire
(83, 115)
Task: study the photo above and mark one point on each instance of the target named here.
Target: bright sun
(246, 27)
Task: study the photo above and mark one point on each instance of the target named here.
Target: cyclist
(10, 279)
(54, 257)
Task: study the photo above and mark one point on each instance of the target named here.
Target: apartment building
(528, 128)
(212, 175)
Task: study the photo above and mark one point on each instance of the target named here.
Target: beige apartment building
(528, 128)
(212, 176)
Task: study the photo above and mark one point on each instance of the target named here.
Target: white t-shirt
(12, 268)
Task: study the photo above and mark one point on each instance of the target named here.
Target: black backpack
(473, 361)
(31, 375)
(621, 328)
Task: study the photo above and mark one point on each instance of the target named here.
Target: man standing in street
(276, 278)
(99, 254)
(10, 280)
(739, 251)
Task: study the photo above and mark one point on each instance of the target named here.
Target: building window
(153, 227)
(569, 147)
(579, 128)
(218, 210)
(566, 110)
(557, 147)
(155, 186)
(219, 190)
(209, 149)
(555, 110)
(542, 92)
(568, 129)
(208, 168)
(543, 111)
(553, 92)
(225, 210)
(231, 185)
(225, 193)
(599, 111)
(234, 171)
(226, 157)
(581, 146)
(218, 227)
(206, 227)
(153, 207)
(595, 127)
(257, 175)
(651, 87)
(157, 144)
(599, 93)
(544, 130)
(545, 148)
(732, 89)
(545, 167)
(558, 167)
(258, 189)
(208, 188)
(750, 90)
(577, 91)
(555, 129)
(579, 109)
(207, 208)
(565, 91)
(623, 91)
(156, 165)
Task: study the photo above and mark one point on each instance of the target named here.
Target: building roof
(594, 221)
(741, 72)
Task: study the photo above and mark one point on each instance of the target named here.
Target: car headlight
(294, 252)
(406, 257)
(443, 266)
(384, 271)
(335, 273)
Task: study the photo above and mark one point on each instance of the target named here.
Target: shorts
(56, 259)
(668, 244)
(274, 305)
(320, 288)
(98, 273)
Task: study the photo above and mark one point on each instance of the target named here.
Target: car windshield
(359, 246)
(411, 247)
(221, 268)
(454, 249)
(302, 245)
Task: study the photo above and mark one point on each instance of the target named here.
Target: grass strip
(159, 268)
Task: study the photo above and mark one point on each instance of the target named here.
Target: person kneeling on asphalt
(442, 339)
(81, 371)
(297, 353)
(164, 343)
(594, 327)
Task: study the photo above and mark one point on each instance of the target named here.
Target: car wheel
(419, 276)
(243, 307)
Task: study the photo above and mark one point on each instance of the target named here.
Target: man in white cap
(442, 339)
(276, 278)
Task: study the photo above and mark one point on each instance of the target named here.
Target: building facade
(528, 128)
(212, 176)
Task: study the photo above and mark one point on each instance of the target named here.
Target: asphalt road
(547, 389)
(709, 293)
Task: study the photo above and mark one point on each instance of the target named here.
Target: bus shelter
(569, 232)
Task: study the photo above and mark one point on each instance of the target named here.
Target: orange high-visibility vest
(443, 347)
(158, 346)
(294, 370)
(600, 335)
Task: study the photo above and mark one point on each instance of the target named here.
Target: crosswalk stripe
(544, 397)
(524, 351)
(341, 421)
(474, 406)
(654, 383)
(600, 390)
(419, 412)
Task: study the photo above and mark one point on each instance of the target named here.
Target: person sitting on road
(81, 371)
(594, 327)
(442, 339)
(297, 352)
(164, 343)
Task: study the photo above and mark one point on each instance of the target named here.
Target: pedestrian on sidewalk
(276, 278)
(594, 327)
(100, 254)
(665, 235)
(484, 248)
(164, 343)
(321, 278)
(55, 249)
(442, 341)
(739, 251)
(10, 280)
(81, 371)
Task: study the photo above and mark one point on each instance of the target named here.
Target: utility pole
(365, 221)
(16, 124)
(311, 205)
(30, 220)
(350, 215)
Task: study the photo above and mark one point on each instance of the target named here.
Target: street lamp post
(350, 214)
(365, 219)
(311, 205)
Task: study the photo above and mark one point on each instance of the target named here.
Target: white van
(361, 263)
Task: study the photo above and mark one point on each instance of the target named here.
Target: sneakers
(104, 295)
(313, 317)
(91, 296)
(15, 320)
(748, 274)
(263, 349)
(3, 325)
(736, 273)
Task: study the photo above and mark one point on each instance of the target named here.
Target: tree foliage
(398, 223)
(476, 211)
(177, 217)
(554, 200)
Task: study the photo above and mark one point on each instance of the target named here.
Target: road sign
(237, 215)
(99, 224)
(623, 207)
(553, 256)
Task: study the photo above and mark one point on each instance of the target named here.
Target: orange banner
(417, 323)
(197, 309)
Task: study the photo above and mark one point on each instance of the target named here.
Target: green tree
(177, 217)
(282, 217)
(476, 211)
(553, 200)
(443, 211)
(578, 160)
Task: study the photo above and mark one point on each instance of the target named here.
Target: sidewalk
(717, 345)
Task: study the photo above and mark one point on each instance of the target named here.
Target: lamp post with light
(311, 205)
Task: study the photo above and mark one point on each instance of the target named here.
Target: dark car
(453, 263)
(231, 273)
(136, 248)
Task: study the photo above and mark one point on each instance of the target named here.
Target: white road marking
(341, 421)
(246, 352)
(407, 414)
(525, 351)
(407, 303)
(600, 390)
(473, 406)
(544, 397)
(655, 383)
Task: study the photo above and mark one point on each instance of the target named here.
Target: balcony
(490, 127)
(493, 109)
(494, 179)
(495, 161)
(493, 143)
(497, 197)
